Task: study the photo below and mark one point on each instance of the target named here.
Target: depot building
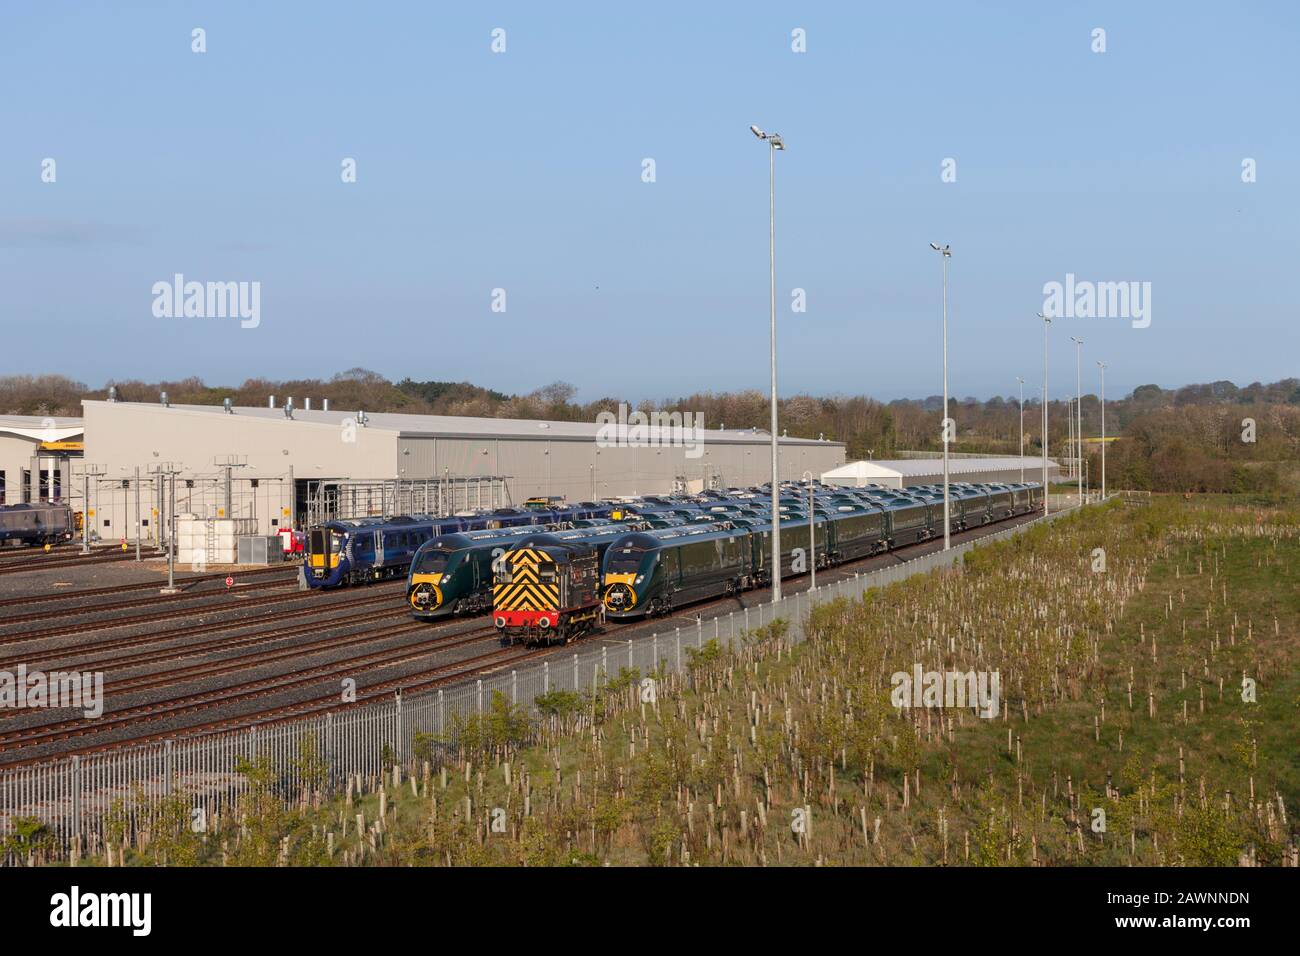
(288, 464)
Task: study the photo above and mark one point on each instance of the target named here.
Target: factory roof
(42, 428)
(453, 426)
(917, 467)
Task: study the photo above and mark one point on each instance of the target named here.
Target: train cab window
(433, 562)
(275, 522)
(107, 523)
(624, 560)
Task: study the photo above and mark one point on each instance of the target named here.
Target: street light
(1047, 320)
(775, 142)
(1078, 391)
(1022, 428)
(1102, 366)
(946, 252)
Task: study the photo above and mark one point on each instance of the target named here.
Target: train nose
(425, 597)
(619, 597)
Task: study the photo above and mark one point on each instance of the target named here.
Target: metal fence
(76, 796)
(330, 500)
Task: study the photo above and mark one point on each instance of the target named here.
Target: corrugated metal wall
(580, 469)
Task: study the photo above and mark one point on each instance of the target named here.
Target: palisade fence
(79, 798)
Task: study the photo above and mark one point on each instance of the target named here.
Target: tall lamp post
(1047, 321)
(1021, 382)
(1102, 366)
(775, 142)
(946, 252)
(1078, 392)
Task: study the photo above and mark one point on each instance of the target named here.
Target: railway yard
(242, 647)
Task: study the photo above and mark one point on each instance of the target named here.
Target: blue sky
(523, 170)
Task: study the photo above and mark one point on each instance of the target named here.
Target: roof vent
(112, 393)
(162, 397)
(325, 404)
(306, 404)
(362, 418)
(225, 403)
(288, 408)
(270, 401)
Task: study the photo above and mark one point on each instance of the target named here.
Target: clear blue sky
(522, 170)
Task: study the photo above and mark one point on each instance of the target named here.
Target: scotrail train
(359, 550)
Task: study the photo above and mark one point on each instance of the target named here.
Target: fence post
(441, 720)
(76, 798)
(480, 695)
(397, 723)
(167, 767)
(575, 672)
(546, 677)
(654, 652)
(329, 751)
(514, 687)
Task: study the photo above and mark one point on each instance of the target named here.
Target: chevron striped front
(525, 591)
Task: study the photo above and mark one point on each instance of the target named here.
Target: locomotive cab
(627, 569)
(547, 592)
(432, 572)
(324, 545)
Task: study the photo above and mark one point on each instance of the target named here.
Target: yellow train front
(547, 591)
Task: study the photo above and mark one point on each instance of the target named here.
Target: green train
(649, 573)
(452, 573)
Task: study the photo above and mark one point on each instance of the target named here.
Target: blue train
(360, 550)
(38, 523)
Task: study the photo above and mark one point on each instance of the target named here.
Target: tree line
(1214, 437)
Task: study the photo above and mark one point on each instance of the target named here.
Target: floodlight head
(1045, 318)
(935, 247)
(758, 132)
(776, 141)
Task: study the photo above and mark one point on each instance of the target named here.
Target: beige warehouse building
(289, 466)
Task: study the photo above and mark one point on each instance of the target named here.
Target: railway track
(143, 602)
(56, 657)
(140, 586)
(82, 627)
(136, 715)
(47, 563)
